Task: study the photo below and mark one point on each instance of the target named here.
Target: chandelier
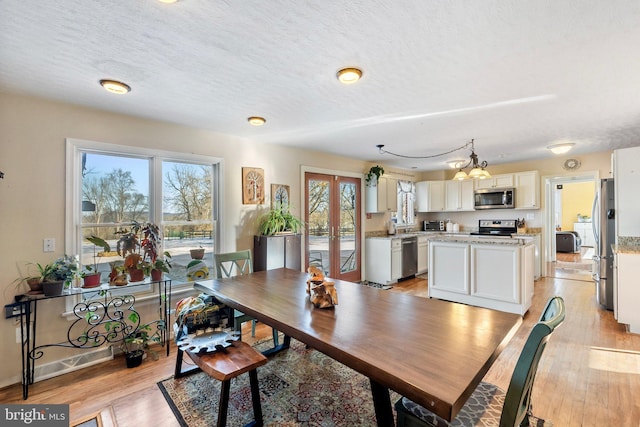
(477, 171)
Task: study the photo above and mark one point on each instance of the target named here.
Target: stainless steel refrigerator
(604, 232)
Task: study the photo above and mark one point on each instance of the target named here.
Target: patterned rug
(376, 285)
(298, 387)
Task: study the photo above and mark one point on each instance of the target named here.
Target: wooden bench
(237, 359)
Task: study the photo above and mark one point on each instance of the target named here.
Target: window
(405, 215)
(112, 186)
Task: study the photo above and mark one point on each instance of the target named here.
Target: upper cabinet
(430, 196)
(496, 181)
(527, 186)
(382, 197)
(459, 195)
(627, 181)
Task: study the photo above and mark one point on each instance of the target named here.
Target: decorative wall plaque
(279, 196)
(252, 186)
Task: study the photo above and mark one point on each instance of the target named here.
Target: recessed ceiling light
(167, 1)
(256, 121)
(561, 148)
(456, 164)
(114, 86)
(349, 75)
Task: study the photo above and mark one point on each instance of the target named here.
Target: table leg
(275, 349)
(382, 404)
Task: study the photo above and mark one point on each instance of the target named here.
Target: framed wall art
(252, 186)
(279, 196)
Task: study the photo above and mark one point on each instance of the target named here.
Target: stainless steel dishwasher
(409, 256)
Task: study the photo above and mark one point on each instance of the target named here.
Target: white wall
(32, 194)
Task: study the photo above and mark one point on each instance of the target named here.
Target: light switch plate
(49, 244)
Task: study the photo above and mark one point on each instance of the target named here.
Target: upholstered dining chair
(233, 264)
(488, 404)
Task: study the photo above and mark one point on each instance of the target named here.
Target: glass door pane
(318, 222)
(332, 214)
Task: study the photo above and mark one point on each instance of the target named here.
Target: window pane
(115, 189)
(187, 217)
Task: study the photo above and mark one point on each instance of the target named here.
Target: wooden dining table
(433, 352)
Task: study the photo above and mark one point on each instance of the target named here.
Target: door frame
(311, 169)
(549, 241)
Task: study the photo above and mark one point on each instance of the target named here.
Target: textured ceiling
(515, 75)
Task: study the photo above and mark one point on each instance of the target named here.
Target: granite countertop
(506, 241)
(626, 249)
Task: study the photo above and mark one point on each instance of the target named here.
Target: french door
(332, 215)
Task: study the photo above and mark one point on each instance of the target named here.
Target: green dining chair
(234, 264)
(488, 404)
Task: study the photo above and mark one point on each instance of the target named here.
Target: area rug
(298, 387)
(376, 285)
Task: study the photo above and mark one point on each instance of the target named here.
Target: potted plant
(279, 220)
(197, 253)
(90, 274)
(136, 339)
(58, 274)
(139, 247)
(375, 172)
(161, 265)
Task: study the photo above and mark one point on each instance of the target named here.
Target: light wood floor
(588, 376)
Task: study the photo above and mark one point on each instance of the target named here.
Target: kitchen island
(490, 272)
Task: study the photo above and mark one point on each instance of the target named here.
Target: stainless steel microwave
(495, 198)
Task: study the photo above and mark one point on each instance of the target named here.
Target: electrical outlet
(49, 244)
(529, 216)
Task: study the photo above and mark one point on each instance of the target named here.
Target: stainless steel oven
(495, 198)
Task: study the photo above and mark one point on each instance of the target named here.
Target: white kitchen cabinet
(490, 275)
(527, 185)
(430, 196)
(496, 181)
(585, 231)
(423, 254)
(382, 197)
(383, 260)
(627, 182)
(628, 292)
(459, 195)
(448, 269)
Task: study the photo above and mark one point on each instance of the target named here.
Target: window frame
(73, 196)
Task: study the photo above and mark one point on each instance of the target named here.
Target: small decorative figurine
(316, 276)
(323, 295)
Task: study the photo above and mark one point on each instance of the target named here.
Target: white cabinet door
(396, 259)
(378, 198)
(494, 271)
(423, 254)
(430, 196)
(458, 195)
(496, 181)
(527, 185)
(392, 194)
(378, 260)
(628, 266)
(449, 267)
(627, 182)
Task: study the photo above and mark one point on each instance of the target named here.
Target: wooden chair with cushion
(490, 405)
(241, 263)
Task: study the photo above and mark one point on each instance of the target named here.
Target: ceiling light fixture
(167, 1)
(455, 164)
(349, 76)
(256, 121)
(561, 148)
(477, 171)
(115, 86)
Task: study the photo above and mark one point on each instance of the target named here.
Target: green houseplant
(279, 220)
(58, 274)
(90, 273)
(374, 174)
(139, 247)
(137, 337)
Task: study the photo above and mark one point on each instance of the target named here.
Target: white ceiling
(515, 75)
